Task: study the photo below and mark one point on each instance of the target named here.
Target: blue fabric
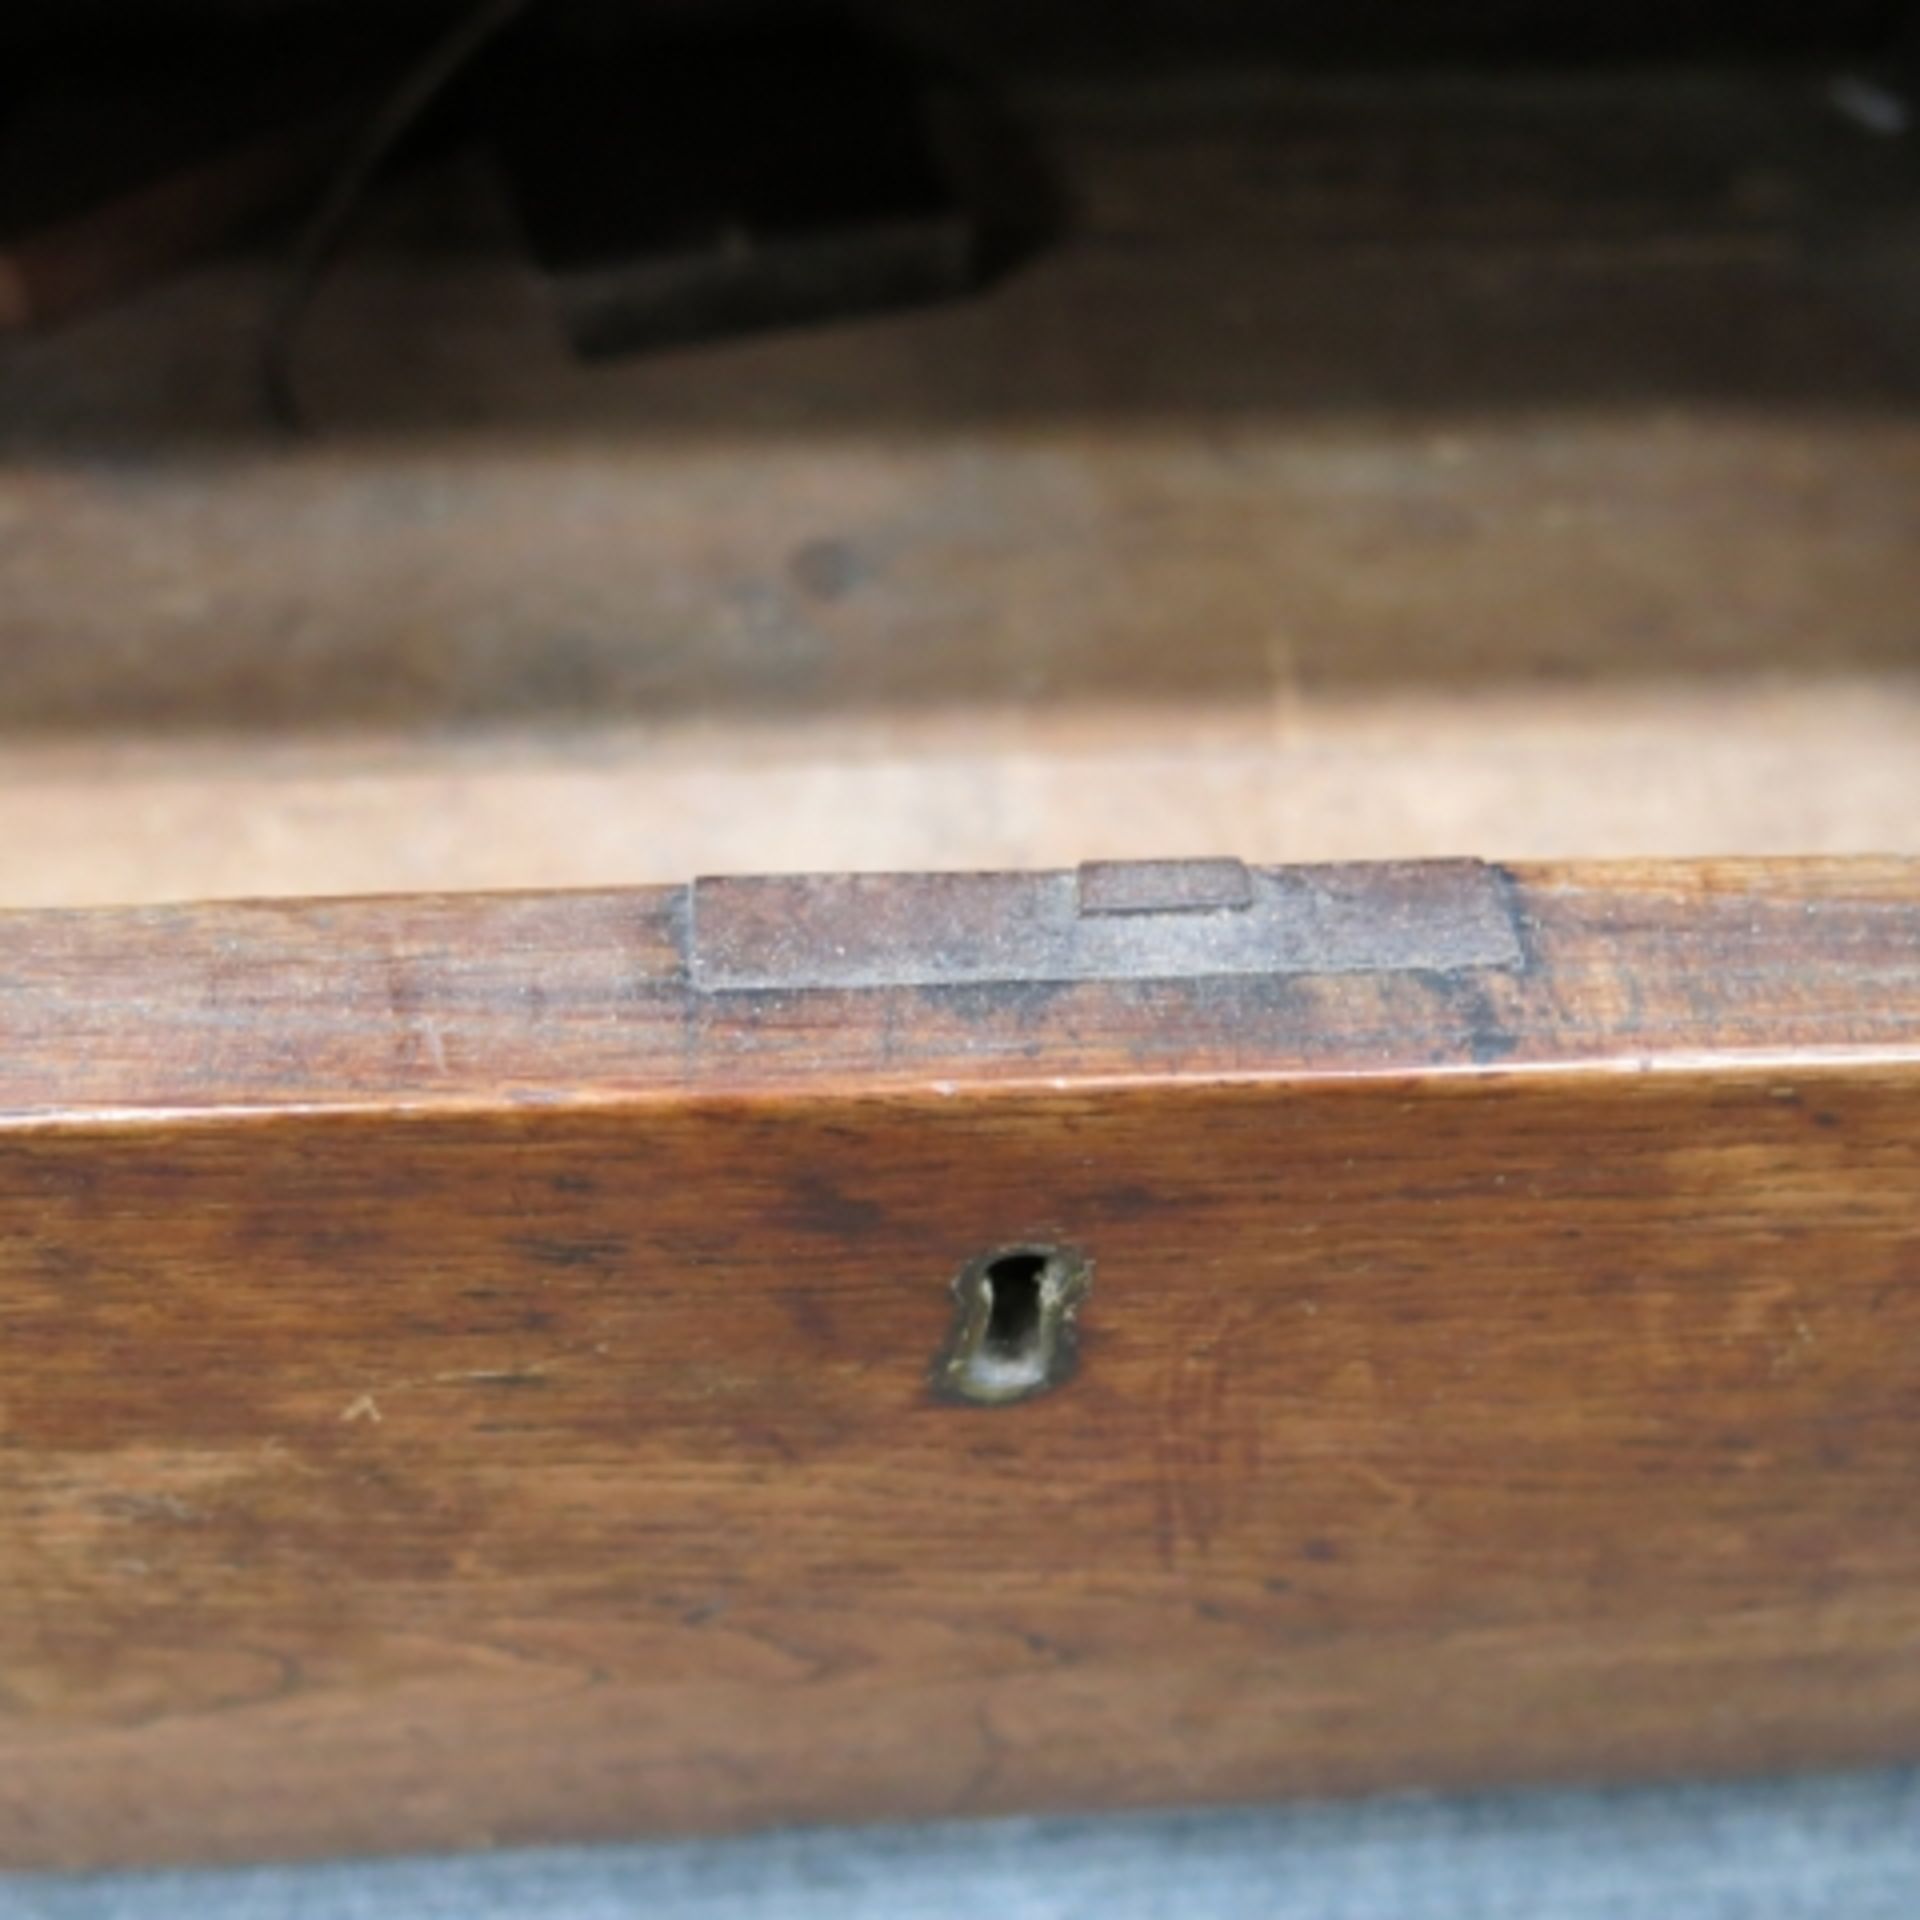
(1840, 1848)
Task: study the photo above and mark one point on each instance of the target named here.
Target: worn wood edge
(581, 1001)
(1824, 875)
(1733, 1067)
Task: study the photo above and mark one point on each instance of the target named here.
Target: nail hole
(1013, 1329)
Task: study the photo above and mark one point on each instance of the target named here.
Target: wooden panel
(459, 1384)
(1377, 469)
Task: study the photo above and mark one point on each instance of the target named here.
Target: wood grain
(1379, 468)
(460, 1385)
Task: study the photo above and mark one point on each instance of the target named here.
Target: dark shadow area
(1495, 375)
(1233, 245)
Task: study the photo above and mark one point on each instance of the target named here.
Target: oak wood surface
(459, 1385)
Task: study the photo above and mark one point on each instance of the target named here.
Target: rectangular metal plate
(1164, 886)
(1105, 923)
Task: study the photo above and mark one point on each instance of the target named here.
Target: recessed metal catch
(1113, 920)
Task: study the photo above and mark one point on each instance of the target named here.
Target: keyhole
(1013, 1304)
(1013, 1331)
